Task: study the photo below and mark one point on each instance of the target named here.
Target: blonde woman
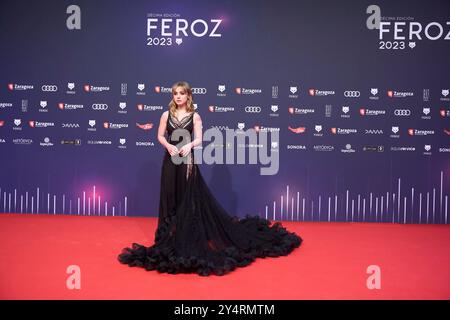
(195, 234)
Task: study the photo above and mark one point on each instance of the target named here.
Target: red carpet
(331, 263)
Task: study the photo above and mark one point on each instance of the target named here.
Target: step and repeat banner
(349, 101)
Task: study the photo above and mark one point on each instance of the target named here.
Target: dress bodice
(186, 123)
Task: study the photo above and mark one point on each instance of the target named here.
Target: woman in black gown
(195, 234)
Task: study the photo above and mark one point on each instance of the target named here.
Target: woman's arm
(198, 135)
(161, 135)
(162, 129)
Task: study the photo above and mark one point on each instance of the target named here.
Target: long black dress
(195, 234)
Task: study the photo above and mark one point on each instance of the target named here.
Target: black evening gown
(195, 234)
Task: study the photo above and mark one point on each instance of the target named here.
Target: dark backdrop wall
(362, 108)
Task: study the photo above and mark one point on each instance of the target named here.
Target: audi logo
(352, 94)
(253, 109)
(99, 106)
(198, 90)
(402, 112)
(49, 88)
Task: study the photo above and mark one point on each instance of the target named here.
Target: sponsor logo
(426, 95)
(320, 93)
(160, 89)
(426, 111)
(145, 107)
(323, 148)
(17, 123)
(92, 125)
(70, 125)
(403, 149)
(444, 113)
(345, 111)
(373, 148)
(198, 90)
(293, 92)
(335, 130)
(123, 89)
(66, 106)
(91, 88)
(274, 110)
(5, 105)
(145, 126)
(221, 88)
(49, 88)
(293, 110)
(24, 105)
(252, 109)
(122, 143)
(122, 107)
(141, 89)
(220, 109)
(39, 124)
(328, 108)
(395, 130)
(172, 29)
(221, 128)
(318, 128)
(144, 144)
(402, 112)
(416, 132)
(70, 87)
(352, 94)
(295, 147)
(22, 141)
(348, 149)
(111, 125)
(399, 94)
(247, 91)
(265, 129)
(371, 112)
(46, 142)
(274, 92)
(21, 87)
(73, 142)
(100, 106)
(297, 130)
(100, 142)
(373, 131)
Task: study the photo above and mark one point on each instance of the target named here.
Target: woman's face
(180, 96)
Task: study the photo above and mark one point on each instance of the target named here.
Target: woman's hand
(185, 150)
(173, 150)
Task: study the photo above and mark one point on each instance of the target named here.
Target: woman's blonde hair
(189, 104)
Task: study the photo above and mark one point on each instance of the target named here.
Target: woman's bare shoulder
(165, 114)
(197, 116)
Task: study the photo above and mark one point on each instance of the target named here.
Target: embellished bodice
(173, 123)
